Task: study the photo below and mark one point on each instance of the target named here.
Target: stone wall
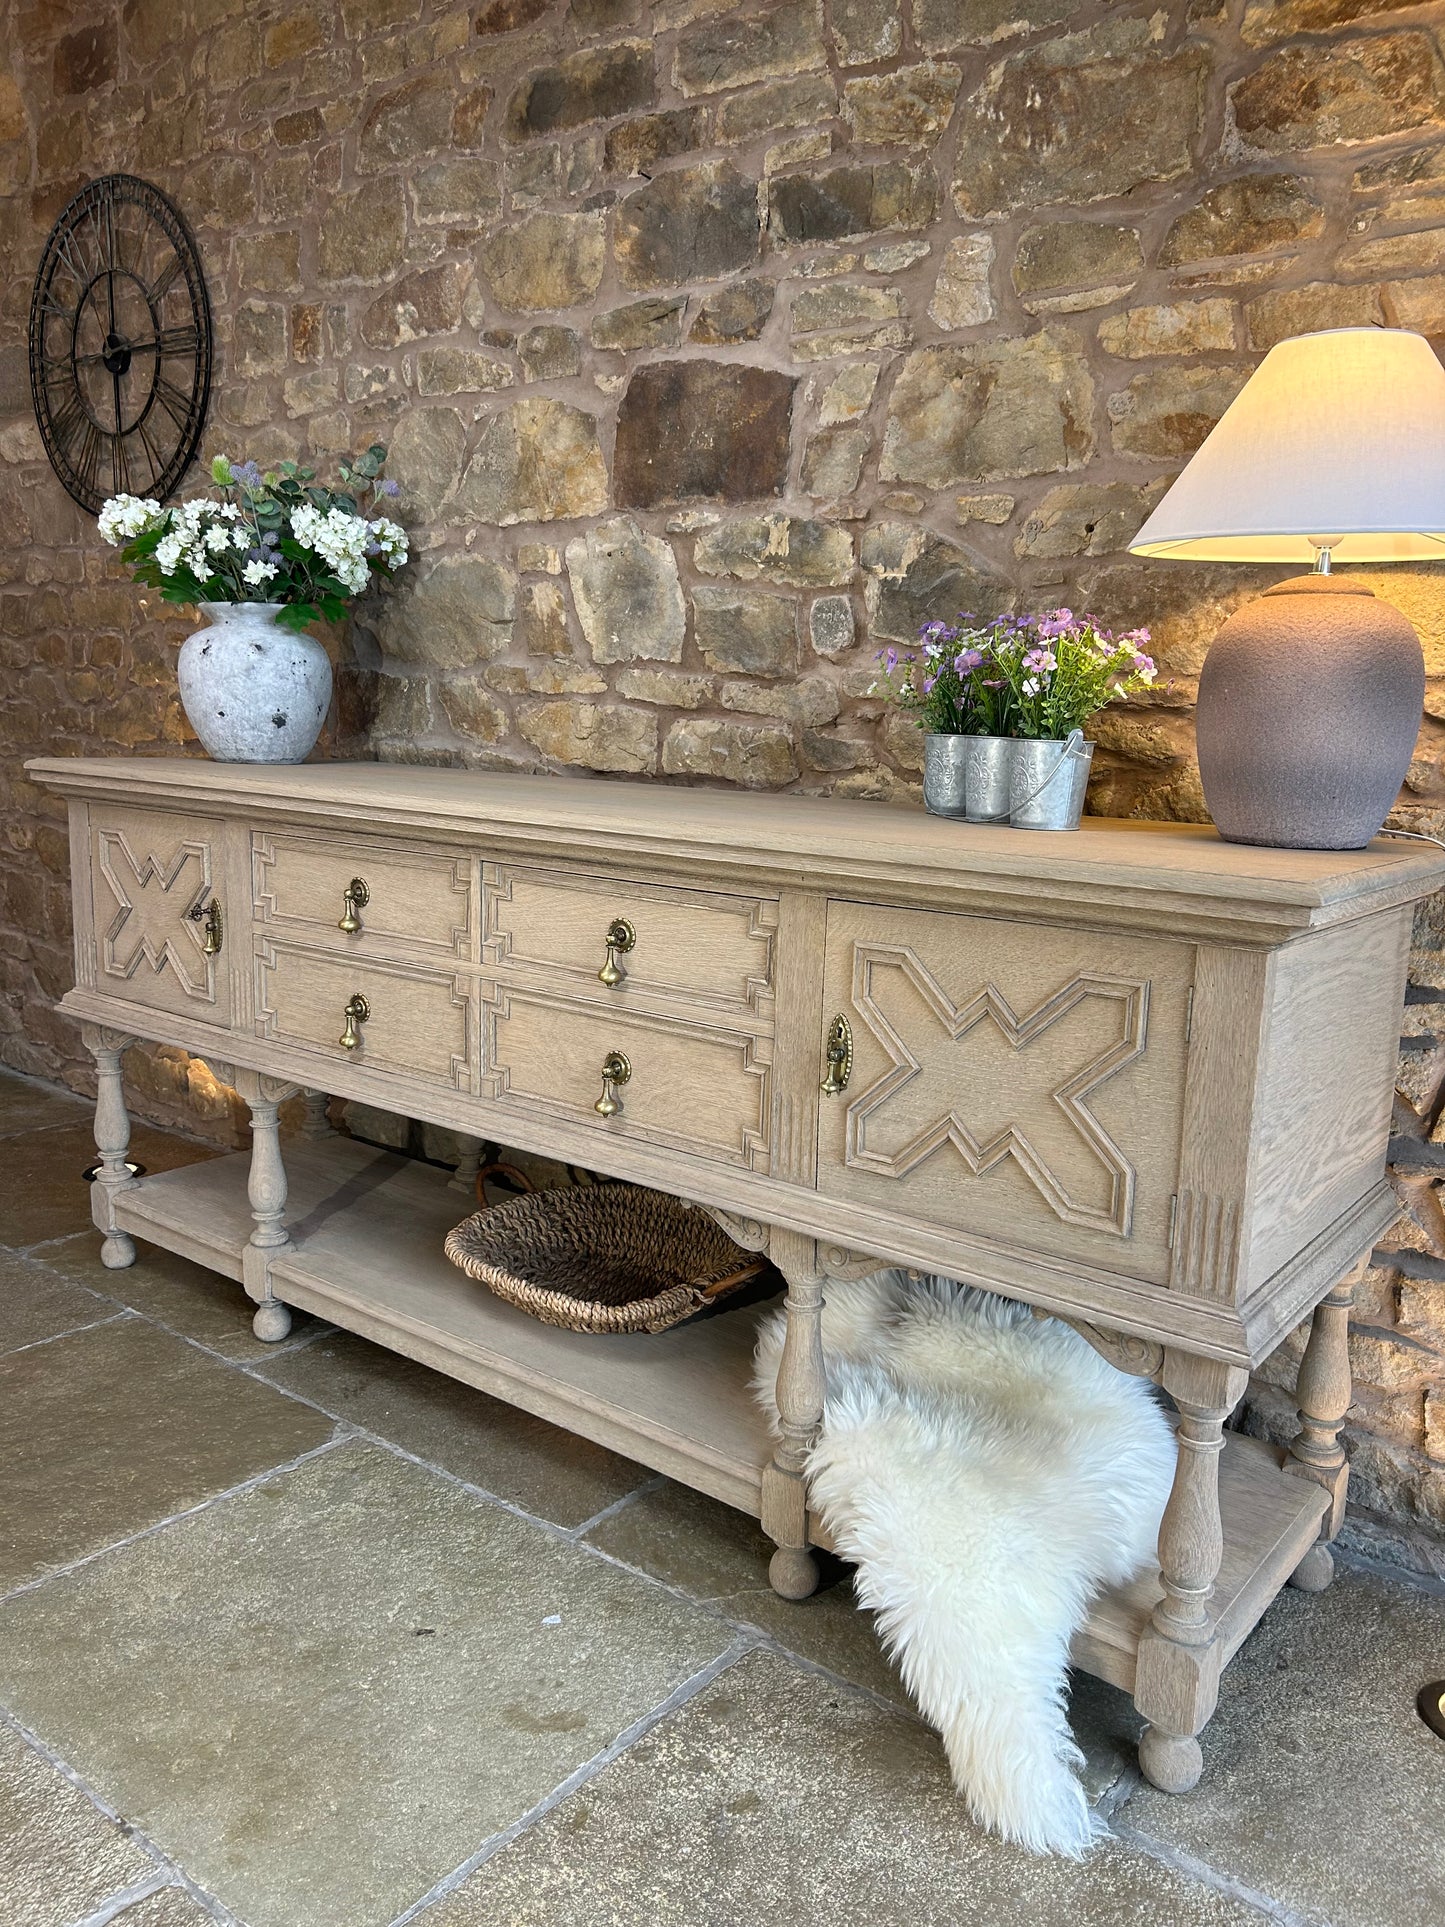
(716, 345)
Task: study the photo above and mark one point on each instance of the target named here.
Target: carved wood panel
(1022, 1083)
(150, 870)
(418, 1023)
(419, 900)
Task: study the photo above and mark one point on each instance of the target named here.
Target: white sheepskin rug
(987, 1472)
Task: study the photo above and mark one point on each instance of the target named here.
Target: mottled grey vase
(1308, 714)
(254, 693)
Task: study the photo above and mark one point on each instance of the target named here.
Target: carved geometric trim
(751, 1233)
(1140, 1357)
(981, 1156)
(152, 924)
(270, 1023)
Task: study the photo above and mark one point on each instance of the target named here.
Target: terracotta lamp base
(1308, 715)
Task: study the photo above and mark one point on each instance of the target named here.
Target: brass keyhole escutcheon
(615, 1072)
(619, 940)
(839, 1053)
(357, 1012)
(354, 897)
(210, 916)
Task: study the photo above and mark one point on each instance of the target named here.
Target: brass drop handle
(354, 897)
(357, 1012)
(210, 915)
(839, 1053)
(615, 1071)
(619, 940)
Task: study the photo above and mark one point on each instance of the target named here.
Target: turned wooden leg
(266, 1189)
(317, 1121)
(793, 1571)
(1322, 1392)
(1177, 1682)
(464, 1178)
(112, 1140)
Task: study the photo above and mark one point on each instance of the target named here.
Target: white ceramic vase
(254, 693)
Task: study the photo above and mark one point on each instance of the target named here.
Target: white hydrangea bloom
(168, 552)
(124, 517)
(390, 538)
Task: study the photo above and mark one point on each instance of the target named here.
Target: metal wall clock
(120, 343)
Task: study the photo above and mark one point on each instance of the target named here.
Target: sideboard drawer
(692, 1087)
(416, 1022)
(698, 947)
(1020, 1082)
(417, 900)
(154, 874)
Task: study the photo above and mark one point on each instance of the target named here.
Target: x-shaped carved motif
(150, 923)
(983, 1155)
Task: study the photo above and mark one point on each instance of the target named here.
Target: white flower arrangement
(270, 537)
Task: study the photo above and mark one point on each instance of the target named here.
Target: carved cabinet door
(1017, 1082)
(160, 930)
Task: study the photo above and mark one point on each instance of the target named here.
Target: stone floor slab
(182, 1296)
(773, 1796)
(720, 1556)
(106, 1431)
(60, 1857)
(170, 1907)
(35, 1303)
(47, 1197)
(1322, 1787)
(520, 1458)
(29, 1106)
(321, 1695)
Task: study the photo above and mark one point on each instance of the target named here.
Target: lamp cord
(1417, 836)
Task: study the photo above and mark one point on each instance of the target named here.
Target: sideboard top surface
(829, 841)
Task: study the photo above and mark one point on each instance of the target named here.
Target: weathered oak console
(1135, 1076)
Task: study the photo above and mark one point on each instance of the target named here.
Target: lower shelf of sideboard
(367, 1230)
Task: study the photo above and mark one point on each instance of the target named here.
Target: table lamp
(1310, 696)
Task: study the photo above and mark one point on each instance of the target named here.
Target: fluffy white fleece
(987, 1472)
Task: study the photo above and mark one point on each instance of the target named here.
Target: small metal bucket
(1049, 781)
(990, 776)
(945, 759)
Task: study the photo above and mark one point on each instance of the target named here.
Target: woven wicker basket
(602, 1258)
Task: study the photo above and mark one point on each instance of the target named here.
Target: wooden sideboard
(1134, 1076)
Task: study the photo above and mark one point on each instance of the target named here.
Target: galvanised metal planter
(945, 763)
(990, 776)
(1049, 781)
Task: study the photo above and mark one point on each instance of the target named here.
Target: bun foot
(1173, 1762)
(1315, 1571)
(793, 1572)
(117, 1251)
(272, 1321)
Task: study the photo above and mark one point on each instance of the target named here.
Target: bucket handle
(1072, 745)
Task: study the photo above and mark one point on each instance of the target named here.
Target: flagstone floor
(308, 1636)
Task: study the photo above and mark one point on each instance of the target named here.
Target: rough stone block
(833, 461)
(1253, 215)
(778, 548)
(908, 108)
(914, 576)
(980, 411)
(1171, 328)
(363, 234)
(629, 601)
(548, 353)
(1085, 518)
(702, 428)
(545, 261)
(691, 224)
(1326, 91)
(1168, 411)
(459, 189)
(831, 628)
(962, 297)
(537, 461)
(738, 313)
(782, 103)
(636, 146)
(849, 394)
(408, 123)
(734, 50)
(654, 323)
(428, 302)
(1302, 311)
(667, 688)
(454, 614)
(854, 199)
(747, 630)
(941, 24)
(866, 30)
(459, 371)
(1131, 119)
(601, 736)
(597, 83)
(755, 756)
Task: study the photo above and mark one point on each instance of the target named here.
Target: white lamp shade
(1340, 436)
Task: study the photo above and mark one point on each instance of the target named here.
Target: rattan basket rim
(472, 1247)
